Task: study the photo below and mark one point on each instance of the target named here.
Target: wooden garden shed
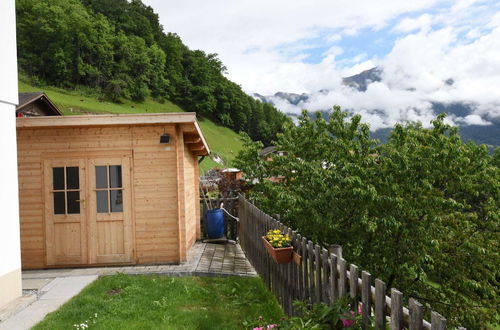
(108, 189)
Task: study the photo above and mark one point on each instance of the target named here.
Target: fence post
(336, 249)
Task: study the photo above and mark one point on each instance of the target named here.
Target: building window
(109, 188)
(66, 190)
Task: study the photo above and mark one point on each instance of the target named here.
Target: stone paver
(52, 296)
(226, 259)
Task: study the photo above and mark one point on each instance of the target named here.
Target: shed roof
(193, 131)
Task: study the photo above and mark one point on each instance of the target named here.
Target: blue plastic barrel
(214, 224)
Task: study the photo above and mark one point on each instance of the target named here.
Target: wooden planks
(153, 177)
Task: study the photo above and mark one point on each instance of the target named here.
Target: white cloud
(266, 45)
(411, 24)
(473, 120)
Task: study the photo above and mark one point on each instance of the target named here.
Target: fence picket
(416, 311)
(305, 269)
(437, 321)
(353, 285)
(396, 310)
(310, 253)
(325, 277)
(317, 274)
(333, 278)
(379, 304)
(366, 285)
(342, 278)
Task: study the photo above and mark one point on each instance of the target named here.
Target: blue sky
(307, 46)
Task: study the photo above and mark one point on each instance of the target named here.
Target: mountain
(361, 80)
(482, 134)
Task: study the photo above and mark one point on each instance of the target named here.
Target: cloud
(411, 24)
(443, 51)
(473, 120)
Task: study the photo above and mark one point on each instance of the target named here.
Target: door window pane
(102, 201)
(116, 200)
(58, 178)
(59, 203)
(73, 198)
(72, 178)
(115, 176)
(101, 177)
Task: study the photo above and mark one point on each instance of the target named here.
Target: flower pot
(280, 255)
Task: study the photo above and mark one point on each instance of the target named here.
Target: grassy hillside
(222, 141)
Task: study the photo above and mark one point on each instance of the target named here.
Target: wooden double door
(88, 211)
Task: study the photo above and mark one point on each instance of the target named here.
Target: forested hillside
(118, 49)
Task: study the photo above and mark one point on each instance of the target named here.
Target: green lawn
(160, 302)
(222, 141)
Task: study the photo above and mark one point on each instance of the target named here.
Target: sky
(307, 46)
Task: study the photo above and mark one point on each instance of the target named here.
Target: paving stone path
(203, 259)
(226, 259)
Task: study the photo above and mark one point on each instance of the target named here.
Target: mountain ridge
(487, 134)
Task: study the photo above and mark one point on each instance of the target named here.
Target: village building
(36, 104)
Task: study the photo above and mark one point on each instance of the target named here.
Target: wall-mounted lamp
(165, 139)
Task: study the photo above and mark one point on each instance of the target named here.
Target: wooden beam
(200, 153)
(192, 138)
(197, 147)
(107, 120)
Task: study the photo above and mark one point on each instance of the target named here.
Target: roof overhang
(187, 120)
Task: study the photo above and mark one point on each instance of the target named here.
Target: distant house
(108, 189)
(36, 104)
(232, 174)
(268, 152)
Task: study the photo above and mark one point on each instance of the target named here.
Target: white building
(10, 255)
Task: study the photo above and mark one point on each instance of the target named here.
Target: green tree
(420, 212)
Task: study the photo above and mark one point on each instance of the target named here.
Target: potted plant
(278, 246)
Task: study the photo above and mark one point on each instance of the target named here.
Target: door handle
(78, 200)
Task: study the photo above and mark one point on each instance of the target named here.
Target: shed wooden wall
(192, 200)
(155, 181)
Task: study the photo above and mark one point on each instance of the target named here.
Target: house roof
(26, 99)
(231, 170)
(191, 129)
(267, 150)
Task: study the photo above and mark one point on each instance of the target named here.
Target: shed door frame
(84, 159)
(103, 224)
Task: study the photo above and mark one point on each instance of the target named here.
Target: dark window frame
(66, 191)
(107, 187)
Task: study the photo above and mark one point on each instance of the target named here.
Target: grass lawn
(160, 302)
(222, 141)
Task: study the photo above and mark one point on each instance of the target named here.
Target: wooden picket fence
(324, 276)
(230, 224)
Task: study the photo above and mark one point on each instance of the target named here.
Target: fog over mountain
(363, 93)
